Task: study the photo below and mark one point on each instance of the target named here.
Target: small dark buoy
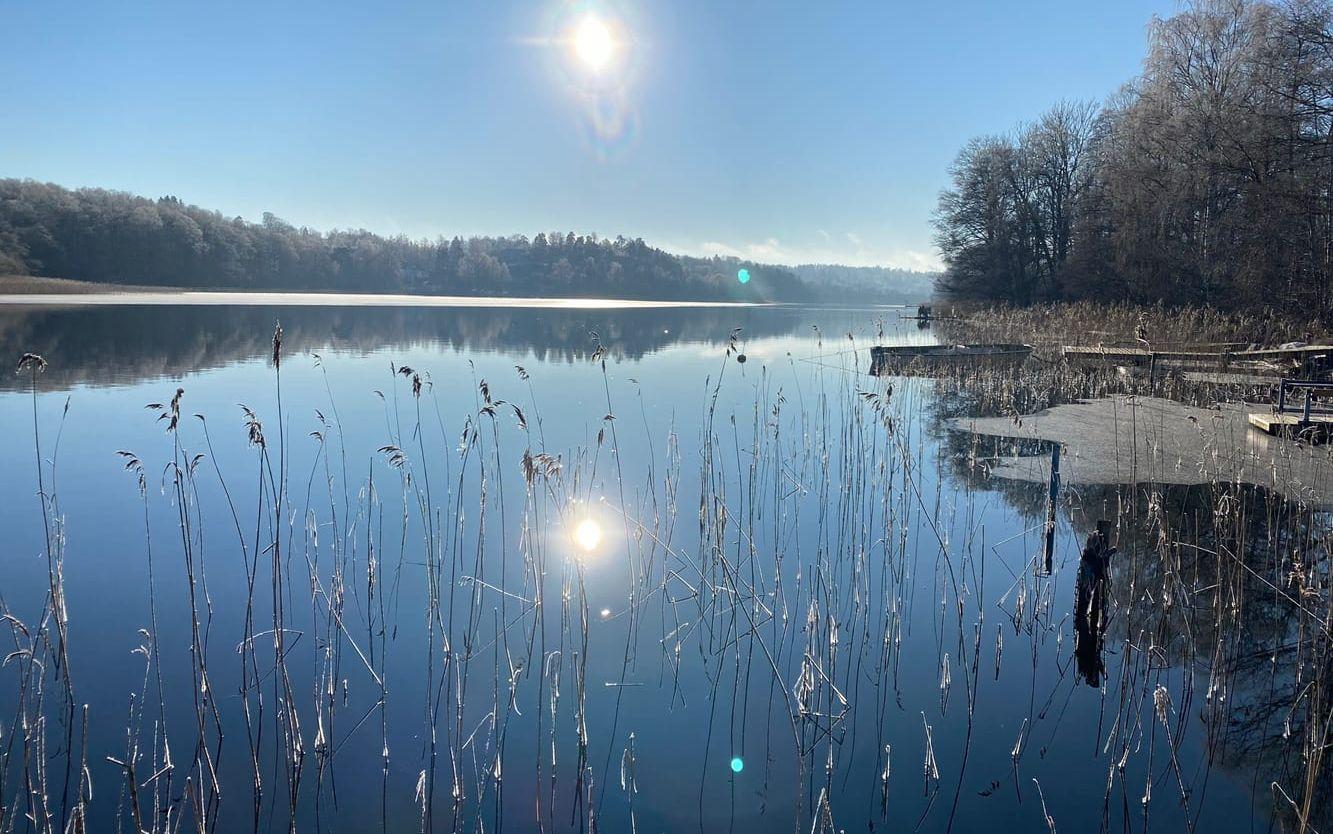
(740, 357)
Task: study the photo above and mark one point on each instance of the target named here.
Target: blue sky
(782, 131)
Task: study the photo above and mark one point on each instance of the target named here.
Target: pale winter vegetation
(1207, 180)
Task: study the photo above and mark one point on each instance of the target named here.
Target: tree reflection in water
(118, 344)
(1224, 586)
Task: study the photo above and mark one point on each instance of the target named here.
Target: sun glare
(594, 43)
(588, 534)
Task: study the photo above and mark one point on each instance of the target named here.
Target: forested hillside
(1207, 180)
(109, 236)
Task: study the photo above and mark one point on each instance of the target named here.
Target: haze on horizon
(782, 133)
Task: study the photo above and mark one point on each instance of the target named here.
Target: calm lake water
(594, 573)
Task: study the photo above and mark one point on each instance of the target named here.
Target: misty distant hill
(878, 284)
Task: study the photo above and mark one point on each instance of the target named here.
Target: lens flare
(588, 534)
(743, 275)
(737, 764)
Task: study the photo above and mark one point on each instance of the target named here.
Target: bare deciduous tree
(1208, 179)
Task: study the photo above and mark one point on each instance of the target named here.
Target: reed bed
(811, 590)
(1086, 322)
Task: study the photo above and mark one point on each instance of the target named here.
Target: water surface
(809, 607)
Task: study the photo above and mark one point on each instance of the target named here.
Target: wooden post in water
(1048, 551)
(1090, 603)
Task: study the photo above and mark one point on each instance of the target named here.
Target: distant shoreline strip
(326, 299)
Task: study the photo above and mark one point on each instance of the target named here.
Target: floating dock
(1145, 357)
(1310, 420)
(1293, 425)
(1139, 357)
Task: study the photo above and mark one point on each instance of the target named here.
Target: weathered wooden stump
(1090, 603)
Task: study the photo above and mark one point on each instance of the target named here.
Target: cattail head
(135, 467)
(33, 362)
(277, 343)
(171, 413)
(416, 380)
(254, 429)
(1161, 702)
(394, 455)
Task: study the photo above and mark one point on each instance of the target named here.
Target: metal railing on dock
(1308, 406)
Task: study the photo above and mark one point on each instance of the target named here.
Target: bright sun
(588, 534)
(594, 43)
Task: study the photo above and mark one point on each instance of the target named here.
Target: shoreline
(29, 291)
(120, 297)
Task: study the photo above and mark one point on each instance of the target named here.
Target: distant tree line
(1208, 180)
(110, 236)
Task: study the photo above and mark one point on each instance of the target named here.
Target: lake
(617, 569)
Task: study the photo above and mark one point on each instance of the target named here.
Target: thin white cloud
(773, 251)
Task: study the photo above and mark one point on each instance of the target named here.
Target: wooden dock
(1141, 357)
(1319, 426)
(1144, 357)
(1279, 354)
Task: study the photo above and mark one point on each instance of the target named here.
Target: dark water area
(576, 570)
